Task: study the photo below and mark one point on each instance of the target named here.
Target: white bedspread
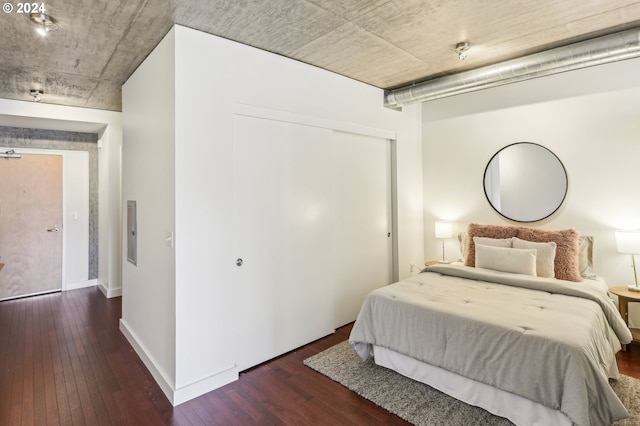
(546, 340)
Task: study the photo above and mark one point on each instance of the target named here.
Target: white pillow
(545, 256)
(517, 261)
(462, 239)
(494, 242)
(585, 256)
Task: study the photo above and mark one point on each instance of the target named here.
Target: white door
(362, 246)
(284, 236)
(312, 217)
(30, 225)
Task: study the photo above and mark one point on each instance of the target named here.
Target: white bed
(519, 410)
(535, 350)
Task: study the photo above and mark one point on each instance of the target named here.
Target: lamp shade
(628, 242)
(444, 230)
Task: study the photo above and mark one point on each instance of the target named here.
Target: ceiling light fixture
(10, 154)
(461, 49)
(36, 94)
(44, 23)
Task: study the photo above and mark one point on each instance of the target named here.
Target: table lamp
(629, 242)
(443, 230)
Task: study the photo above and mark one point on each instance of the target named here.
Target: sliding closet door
(362, 246)
(312, 225)
(283, 224)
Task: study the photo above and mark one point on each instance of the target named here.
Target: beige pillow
(517, 261)
(545, 255)
(585, 256)
(462, 239)
(493, 242)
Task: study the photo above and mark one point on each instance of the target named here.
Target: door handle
(54, 229)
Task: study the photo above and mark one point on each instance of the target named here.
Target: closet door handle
(54, 229)
(239, 262)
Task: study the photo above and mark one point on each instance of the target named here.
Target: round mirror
(525, 182)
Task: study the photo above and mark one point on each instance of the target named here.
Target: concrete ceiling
(385, 43)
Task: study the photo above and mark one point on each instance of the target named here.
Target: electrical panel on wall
(132, 232)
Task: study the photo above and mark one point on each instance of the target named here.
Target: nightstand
(431, 262)
(624, 297)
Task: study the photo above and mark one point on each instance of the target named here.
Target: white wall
(107, 124)
(76, 217)
(589, 118)
(213, 78)
(148, 294)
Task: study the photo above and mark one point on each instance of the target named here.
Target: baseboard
(81, 284)
(184, 393)
(214, 381)
(160, 377)
(109, 293)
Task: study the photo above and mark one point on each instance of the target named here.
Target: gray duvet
(547, 340)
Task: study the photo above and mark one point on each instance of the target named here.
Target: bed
(534, 349)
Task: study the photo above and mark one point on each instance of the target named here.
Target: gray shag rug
(420, 404)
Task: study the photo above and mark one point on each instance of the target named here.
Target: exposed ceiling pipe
(601, 50)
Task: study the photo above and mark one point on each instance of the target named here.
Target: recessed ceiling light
(44, 23)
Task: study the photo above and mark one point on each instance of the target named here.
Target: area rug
(420, 404)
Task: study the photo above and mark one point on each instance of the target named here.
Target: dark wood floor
(64, 361)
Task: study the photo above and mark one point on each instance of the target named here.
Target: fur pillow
(489, 231)
(566, 262)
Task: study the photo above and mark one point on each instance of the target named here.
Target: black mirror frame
(484, 178)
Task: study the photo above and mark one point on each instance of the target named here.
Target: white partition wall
(256, 157)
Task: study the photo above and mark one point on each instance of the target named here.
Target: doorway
(30, 225)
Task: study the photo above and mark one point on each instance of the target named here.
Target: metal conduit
(601, 50)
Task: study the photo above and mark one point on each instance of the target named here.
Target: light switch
(74, 215)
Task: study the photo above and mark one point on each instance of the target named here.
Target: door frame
(64, 285)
